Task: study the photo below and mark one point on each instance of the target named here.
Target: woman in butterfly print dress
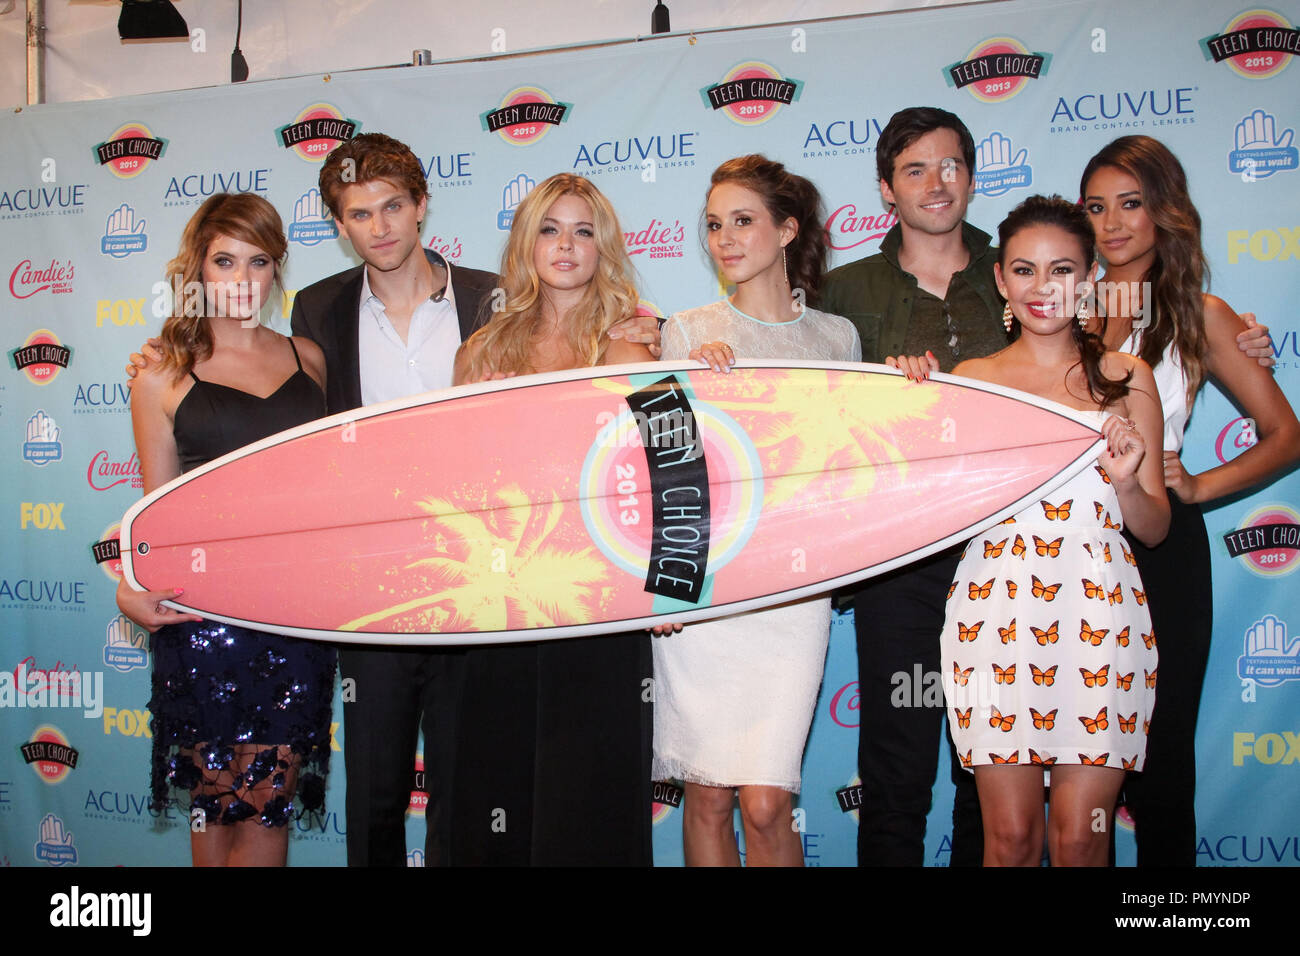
(1052, 658)
(1149, 234)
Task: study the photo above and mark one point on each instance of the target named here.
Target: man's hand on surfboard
(149, 352)
(716, 355)
(146, 607)
(916, 367)
(641, 329)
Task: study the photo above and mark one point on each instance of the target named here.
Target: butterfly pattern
(1063, 580)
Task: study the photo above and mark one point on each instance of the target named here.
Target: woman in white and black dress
(734, 698)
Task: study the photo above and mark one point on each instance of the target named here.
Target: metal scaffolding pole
(35, 51)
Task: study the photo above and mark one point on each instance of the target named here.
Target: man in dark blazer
(390, 328)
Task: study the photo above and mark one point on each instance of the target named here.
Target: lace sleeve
(674, 341)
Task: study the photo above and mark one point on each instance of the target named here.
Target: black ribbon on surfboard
(679, 490)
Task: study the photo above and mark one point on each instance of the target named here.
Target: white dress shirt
(391, 368)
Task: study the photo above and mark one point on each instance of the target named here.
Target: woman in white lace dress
(734, 697)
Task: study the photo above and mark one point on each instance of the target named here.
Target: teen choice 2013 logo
(50, 754)
(997, 69)
(130, 150)
(751, 93)
(315, 132)
(41, 357)
(1268, 540)
(1257, 44)
(107, 551)
(671, 489)
(525, 115)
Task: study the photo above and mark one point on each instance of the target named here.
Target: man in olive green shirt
(929, 289)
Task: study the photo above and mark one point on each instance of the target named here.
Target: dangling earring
(1007, 317)
(785, 266)
(1083, 314)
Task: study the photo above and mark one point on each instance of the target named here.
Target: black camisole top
(213, 420)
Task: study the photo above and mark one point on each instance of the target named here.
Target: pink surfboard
(597, 500)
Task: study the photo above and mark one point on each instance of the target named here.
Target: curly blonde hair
(186, 338)
(504, 344)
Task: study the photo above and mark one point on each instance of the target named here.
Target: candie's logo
(525, 115)
(1236, 437)
(130, 150)
(449, 247)
(658, 240)
(997, 69)
(105, 471)
(29, 278)
(844, 708)
(41, 357)
(1257, 44)
(316, 131)
(751, 93)
(49, 754)
(849, 229)
(1268, 539)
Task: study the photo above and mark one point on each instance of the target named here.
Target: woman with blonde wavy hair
(553, 764)
(556, 312)
(239, 716)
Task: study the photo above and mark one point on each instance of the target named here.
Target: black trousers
(899, 617)
(396, 692)
(553, 755)
(1176, 575)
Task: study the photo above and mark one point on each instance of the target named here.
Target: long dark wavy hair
(786, 196)
(1180, 272)
(1068, 216)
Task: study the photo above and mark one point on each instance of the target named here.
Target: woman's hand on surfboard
(149, 353)
(916, 367)
(1125, 448)
(716, 355)
(1254, 341)
(146, 607)
(659, 630)
(641, 329)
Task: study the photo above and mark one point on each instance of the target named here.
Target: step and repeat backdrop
(93, 197)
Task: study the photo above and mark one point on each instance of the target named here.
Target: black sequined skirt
(237, 717)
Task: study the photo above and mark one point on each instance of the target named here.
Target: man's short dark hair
(907, 126)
